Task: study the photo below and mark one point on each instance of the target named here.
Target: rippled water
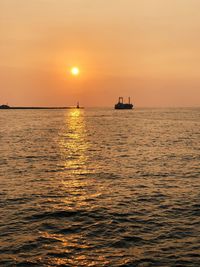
(100, 187)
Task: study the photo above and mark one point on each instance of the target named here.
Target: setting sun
(75, 71)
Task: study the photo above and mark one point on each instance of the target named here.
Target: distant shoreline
(8, 108)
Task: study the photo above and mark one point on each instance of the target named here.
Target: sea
(100, 187)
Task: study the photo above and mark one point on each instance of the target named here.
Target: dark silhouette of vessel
(122, 105)
(4, 107)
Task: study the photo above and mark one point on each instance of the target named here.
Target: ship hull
(123, 106)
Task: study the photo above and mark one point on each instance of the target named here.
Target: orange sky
(148, 49)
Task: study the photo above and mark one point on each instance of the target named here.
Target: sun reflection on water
(77, 175)
(73, 144)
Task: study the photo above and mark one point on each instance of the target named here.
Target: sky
(146, 49)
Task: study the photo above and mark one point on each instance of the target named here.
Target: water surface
(100, 187)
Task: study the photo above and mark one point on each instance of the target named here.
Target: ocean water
(100, 187)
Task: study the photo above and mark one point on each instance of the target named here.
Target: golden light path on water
(73, 148)
(79, 191)
(72, 143)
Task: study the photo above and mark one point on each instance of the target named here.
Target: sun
(75, 71)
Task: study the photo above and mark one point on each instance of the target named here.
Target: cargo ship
(122, 105)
